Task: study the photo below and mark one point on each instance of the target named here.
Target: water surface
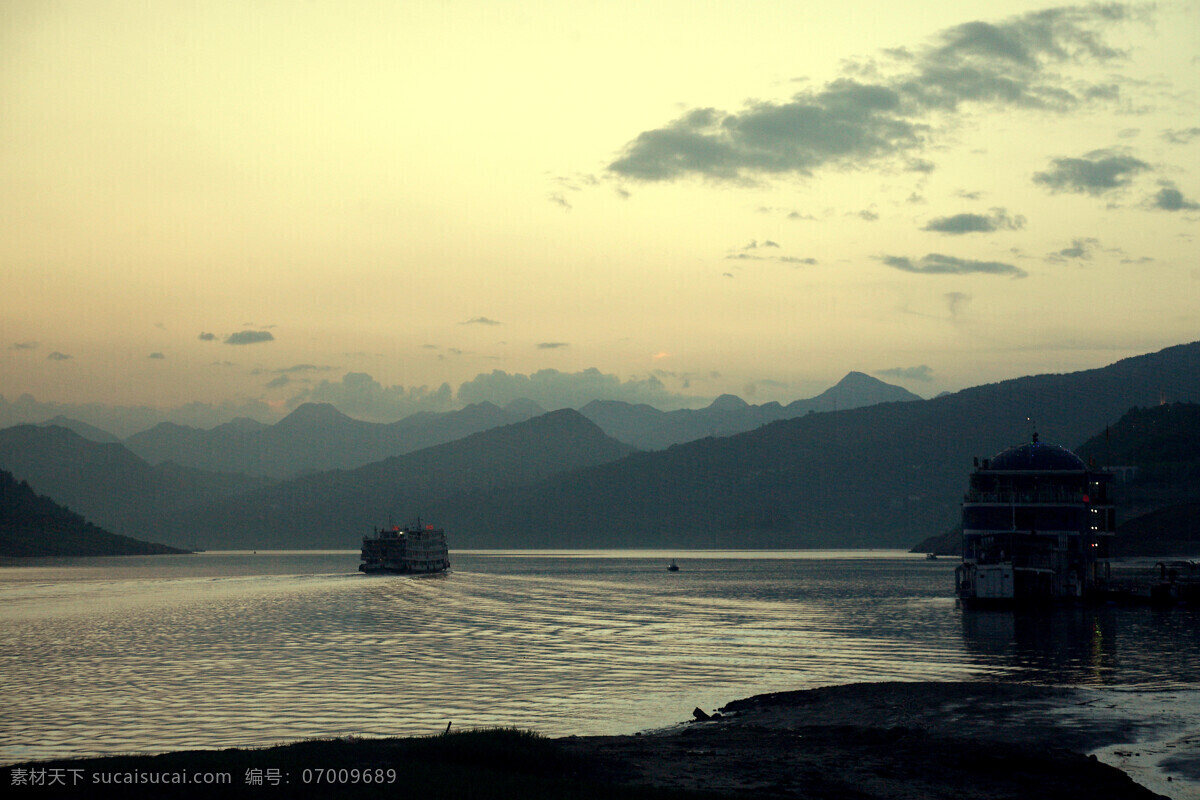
(238, 649)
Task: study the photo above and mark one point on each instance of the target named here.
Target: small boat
(414, 549)
(931, 556)
(672, 567)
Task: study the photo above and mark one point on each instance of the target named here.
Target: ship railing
(1040, 496)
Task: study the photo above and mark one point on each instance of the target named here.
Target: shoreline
(900, 741)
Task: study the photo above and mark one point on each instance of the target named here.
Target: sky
(220, 208)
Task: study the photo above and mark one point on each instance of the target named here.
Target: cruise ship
(1037, 525)
(414, 549)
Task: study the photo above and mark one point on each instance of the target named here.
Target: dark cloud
(853, 123)
(1095, 173)
(938, 264)
(480, 321)
(278, 382)
(304, 368)
(1182, 136)
(1079, 249)
(207, 337)
(922, 373)
(796, 260)
(249, 337)
(920, 165)
(23, 346)
(57, 356)
(869, 216)
(552, 345)
(997, 220)
(156, 355)
(1169, 198)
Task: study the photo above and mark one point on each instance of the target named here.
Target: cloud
(869, 216)
(552, 345)
(24, 346)
(1182, 136)
(1095, 173)
(156, 355)
(480, 321)
(207, 337)
(938, 264)
(851, 123)
(1080, 249)
(57, 356)
(278, 382)
(795, 260)
(361, 396)
(998, 220)
(249, 337)
(956, 302)
(552, 389)
(304, 368)
(922, 373)
(559, 199)
(1169, 198)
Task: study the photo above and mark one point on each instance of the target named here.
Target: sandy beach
(898, 741)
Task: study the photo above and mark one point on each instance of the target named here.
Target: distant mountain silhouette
(647, 428)
(32, 525)
(315, 437)
(883, 475)
(106, 482)
(880, 475)
(336, 508)
(90, 432)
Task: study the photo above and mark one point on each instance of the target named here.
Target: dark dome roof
(1038, 456)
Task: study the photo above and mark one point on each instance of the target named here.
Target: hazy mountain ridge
(34, 525)
(335, 508)
(647, 428)
(107, 483)
(882, 475)
(313, 438)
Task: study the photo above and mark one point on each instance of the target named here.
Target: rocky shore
(899, 741)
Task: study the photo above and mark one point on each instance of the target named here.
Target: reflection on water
(217, 650)
(1089, 645)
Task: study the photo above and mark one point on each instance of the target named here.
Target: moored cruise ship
(1037, 524)
(412, 550)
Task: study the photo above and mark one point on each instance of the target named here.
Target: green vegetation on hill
(32, 525)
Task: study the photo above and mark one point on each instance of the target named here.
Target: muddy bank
(889, 740)
(900, 741)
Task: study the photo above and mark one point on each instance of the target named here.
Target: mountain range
(33, 525)
(882, 475)
(317, 437)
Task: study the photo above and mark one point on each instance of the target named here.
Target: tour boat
(408, 550)
(1037, 525)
